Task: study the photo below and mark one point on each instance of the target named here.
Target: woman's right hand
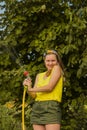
(27, 82)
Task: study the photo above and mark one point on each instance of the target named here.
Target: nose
(50, 63)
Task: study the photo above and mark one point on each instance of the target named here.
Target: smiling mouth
(50, 67)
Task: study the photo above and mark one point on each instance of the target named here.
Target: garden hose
(23, 106)
(26, 74)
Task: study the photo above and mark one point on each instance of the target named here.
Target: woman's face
(50, 61)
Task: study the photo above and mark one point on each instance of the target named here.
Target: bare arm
(28, 83)
(33, 93)
(55, 76)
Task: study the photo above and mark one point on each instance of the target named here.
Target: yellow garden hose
(23, 106)
(26, 74)
(32, 94)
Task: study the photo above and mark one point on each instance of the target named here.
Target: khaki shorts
(46, 112)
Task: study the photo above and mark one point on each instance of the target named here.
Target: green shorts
(46, 112)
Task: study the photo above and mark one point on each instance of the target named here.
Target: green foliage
(7, 121)
(10, 116)
(76, 114)
(29, 28)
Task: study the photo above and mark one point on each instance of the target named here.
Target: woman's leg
(53, 127)
(39, 127)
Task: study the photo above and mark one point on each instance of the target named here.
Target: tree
(32, 27)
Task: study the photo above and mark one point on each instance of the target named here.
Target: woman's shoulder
(57, 68)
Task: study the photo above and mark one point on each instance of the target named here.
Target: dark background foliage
(27, 30)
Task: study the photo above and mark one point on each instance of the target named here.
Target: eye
(47, 60)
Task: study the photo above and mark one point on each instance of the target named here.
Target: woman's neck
(48, 73)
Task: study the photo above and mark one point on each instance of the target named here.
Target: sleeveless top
(55, 94)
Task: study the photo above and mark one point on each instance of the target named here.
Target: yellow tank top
(55, 94)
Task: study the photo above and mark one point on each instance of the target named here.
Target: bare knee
(39, 127)
(53, 127)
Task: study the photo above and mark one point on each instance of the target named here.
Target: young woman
(46, 111)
